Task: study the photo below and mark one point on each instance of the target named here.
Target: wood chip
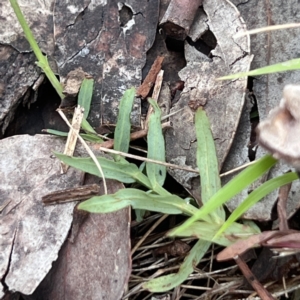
(179, 17)
(149, 81)
(74, 194)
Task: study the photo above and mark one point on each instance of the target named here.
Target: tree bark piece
(108, 49)
(224, 100)
(149, 81)
(34, 233)
(179, 17)
(97, 264)
(74, 194)
(18, 71)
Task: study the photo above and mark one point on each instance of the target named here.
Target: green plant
(290, 65)
(42, 59)
(207, 223)
(86, 89)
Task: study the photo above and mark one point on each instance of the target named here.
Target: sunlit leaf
(42, 59)
(289, 65)
(206, 231)
(265, 189)
(232, 188)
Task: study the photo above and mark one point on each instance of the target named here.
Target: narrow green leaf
(138, 200)
(91, 137)
(123, 172)
(206, 231)
(122, 131)
(140, 213)
(168, 282)
(265, 189)
(156, 148)
(42, 59)
(85, 125)
(56, 132)
(88, 137)
(289, 65)
(207, 163)
(233, 187)
(85, 95)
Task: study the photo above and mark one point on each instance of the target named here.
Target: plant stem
(42, 59)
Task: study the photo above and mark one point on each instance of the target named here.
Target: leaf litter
(155, 178)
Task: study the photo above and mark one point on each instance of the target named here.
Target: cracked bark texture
(95, 266)
(223, 101)
(18, 71)
(92, 34)
(113, 54)
(109, 40)
(98, 264)
(32, 233)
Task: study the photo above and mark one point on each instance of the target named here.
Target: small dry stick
(133, 136)
(74, 194)
(266, 29)
(179, 17)
(147, 160)
(259, 288)
(237, 169)
(72, 135)
(89, 151)
(283, 195)
(156, 91)
(162, 218)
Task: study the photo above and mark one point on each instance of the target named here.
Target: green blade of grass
(266, 188)
(91, 138)
(206, 231)
(232, 188)
(85, 125)
(122, 171)
(42, 60)
(88, 137)
(156, 148)
(210, 184)
(122, 131)
(85, 95)
(168, 282)
(207, 163)
(289, 65)
(56, 132)
(138, 200)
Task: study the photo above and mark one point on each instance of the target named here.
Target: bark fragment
(149, 81)
(179, 17)
(223, 100)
